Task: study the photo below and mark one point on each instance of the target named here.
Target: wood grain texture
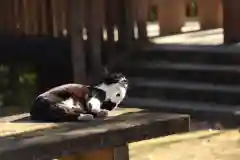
(77, 8)
(61, 139)
(103, 154)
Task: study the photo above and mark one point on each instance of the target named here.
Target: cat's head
(109, 93)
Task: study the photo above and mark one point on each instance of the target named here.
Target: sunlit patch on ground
(205, 144)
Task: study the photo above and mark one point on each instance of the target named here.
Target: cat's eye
(118, 95)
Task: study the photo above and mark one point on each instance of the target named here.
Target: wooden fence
(51, 17)
(34, 17)
(86, 21)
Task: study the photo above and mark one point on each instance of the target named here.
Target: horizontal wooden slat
(56, 140)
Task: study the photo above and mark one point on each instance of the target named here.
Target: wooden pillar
(111, 16)
(171, 16)
(210, 13)
(117, 153)
(129, 24)
(231, 22)
(7, 19)
(76, 34)
(125, 23)
(142, 7)
(95, 19)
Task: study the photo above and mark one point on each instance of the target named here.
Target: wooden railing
(88, 20)
(51, 17)
(34, 17)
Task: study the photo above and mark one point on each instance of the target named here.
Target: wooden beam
(125, 23)
(110, 21)
(210, 13)
(95, 33)
(78, 54)
(116, 153)
(104, 139)
(231, 22)
(142, 7)
(121, 152)
(171, 16)
(7, 19)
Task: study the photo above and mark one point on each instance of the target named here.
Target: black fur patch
(95, 92)
(114, 78)
(108, 105)
(101, 95)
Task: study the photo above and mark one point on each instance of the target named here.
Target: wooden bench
(101, 139)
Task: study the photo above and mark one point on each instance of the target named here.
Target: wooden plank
(1, 16)
(14, 117)
(43, 17)
(115, 153)
(121, 152)
(77, 49)
(95, 34)
(25, 17)
(67, 17)
(55, 17)
(210, 14)
(63, 139)
(59, 19)
(33, 17)
(17, 16)
(28, 10)
(141, 19)
(6, 16)
(231, 23)
(125, 23)
(110, 22)
(36, 17)
(21, 16)
(64, 15)
(105, 154)
(46, 17)
(10, 16)
(171, 16)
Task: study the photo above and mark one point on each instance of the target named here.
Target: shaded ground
(197, 145)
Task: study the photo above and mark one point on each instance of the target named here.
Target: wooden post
(129, 22)
(142, 18)
(125, 23)
(95, 14)
(7, 19)
(45, 17)
(111, 15)
(117, 153)
(231, 22)
(171, 16)
(210, 13)
(78, 54)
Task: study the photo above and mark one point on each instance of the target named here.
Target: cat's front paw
(85, 117)
(102, 114)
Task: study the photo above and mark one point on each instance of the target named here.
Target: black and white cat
(76, 102)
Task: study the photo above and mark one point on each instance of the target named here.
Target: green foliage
(17, 88)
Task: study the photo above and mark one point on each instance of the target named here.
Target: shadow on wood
(55, 140)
